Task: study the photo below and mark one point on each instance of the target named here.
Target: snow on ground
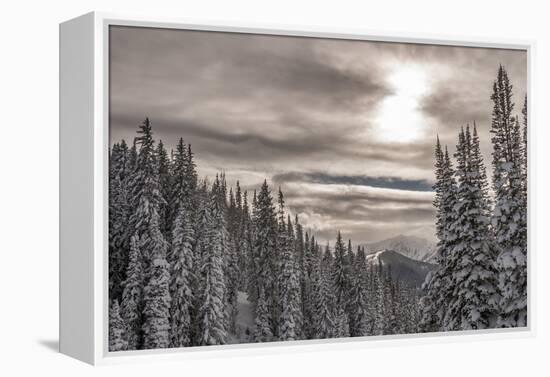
(375, 258)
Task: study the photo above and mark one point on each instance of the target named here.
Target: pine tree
(324, 314)
(299, 252)
(349, 308)
(132, 297)
(474, 276)
(340, 278)
(265, 260)
(391, 325)
(246, 244)
(359, 297)
(253, 259)
(232, 272)
(212, 316)
(156, 311)
(180, 191)
(242, 241)
(262, 332)
(509, 213)
(524, 154)
(146, 197)
(377, 301)
(289, 321)
(181, 279)
(116, 329)
(119, 241)
(311, 265)
(164, 178)
(436, 286)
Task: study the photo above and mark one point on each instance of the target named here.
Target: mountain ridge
(413, 247)
(403, 268)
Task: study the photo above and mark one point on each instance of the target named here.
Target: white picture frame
(84, 191)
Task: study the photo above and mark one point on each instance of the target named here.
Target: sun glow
(399, 118)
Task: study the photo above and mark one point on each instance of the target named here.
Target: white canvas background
(29, 185)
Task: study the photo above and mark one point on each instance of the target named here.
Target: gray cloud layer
(302, 112)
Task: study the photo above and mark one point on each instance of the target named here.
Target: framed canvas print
(233, 189)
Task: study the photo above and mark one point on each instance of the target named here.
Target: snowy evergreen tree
(524, 149)
(156, 295)
(474, 277)
(311, 267)
(359, 297)
(245, 243)
(379, 301)
(146, 197)
(119, 209)
(262, 331)
(342, 285)
(300, 261)
(436, 286)
(232, 273)
(264, 258)
(290, 316)
(164, 178)
(349, 308)
(324, 314)
(509, 220)
(181, 279)
(132, 297)
(212, 316)
(180, 190)
(117, 342)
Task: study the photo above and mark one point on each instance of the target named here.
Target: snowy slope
(405, 269)
(416, 248)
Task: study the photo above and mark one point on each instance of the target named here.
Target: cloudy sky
(346, 128)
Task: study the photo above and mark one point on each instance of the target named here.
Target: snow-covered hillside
(403, 268)
(413, 247)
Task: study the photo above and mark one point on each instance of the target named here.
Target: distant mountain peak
(413, 247)
(403, 268)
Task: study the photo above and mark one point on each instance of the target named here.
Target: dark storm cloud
(381, 182)
(305, 114)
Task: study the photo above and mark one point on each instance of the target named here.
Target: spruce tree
(117, 342)
(246, 244)
(262, 331)
(524, 149)
(180, 192)
(156, 294)
(232, 273)
(378, 301)
(132, 297)
(146, 197)
(349, 308)
(340, 278)
(324, 314)
(436, 286)
(119, 210)
(290, 316)
(509, 213)
(181, 279)
(474, 277)
(359, 297)
(164, 178)
(311, 266)
(212, 317)
(265, 253)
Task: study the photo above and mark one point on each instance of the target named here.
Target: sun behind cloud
(399, 118)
